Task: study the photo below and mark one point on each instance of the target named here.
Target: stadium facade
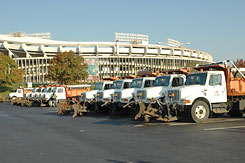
(128, 54)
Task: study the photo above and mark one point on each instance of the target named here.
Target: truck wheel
(14, 97)
(200, 111)
(50, 103)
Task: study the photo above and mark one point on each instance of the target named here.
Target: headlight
(185, 101)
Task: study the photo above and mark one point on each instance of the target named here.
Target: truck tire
(200, 111)
(14, 97)
(50, 103)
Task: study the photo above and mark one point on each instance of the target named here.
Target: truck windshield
(117, 85)
(196, 79)
(44, 90)
(98, 86)
(49, 90)
(54, 89)
(136, 83)
(162, 81)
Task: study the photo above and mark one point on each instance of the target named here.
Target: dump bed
(76, 90)
(27, 90)
(236, 87)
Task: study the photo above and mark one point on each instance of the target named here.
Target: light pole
(184, 43)
(176, 44)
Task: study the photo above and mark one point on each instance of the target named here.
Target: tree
(240, 63)
(9, 72)
(67, 68)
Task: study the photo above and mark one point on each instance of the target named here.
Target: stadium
(128, 54)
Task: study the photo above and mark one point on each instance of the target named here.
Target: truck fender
(205, 100)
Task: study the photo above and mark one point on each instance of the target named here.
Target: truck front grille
(83, 96)
(175, 98)
(141, 94)
(117, 96)
(99, 96)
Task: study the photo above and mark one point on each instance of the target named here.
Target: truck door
(177, 81)
(19, 93)
(61, 94)
(216, 90)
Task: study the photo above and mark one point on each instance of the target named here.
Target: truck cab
(160, 87)
(105, 93)
(90, 95)
(210, 85)
(46, 96)
(117, 86)
(20, 92)
(201, 92)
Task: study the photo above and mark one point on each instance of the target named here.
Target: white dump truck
(101, 95)
(214, 88)
(160, 88)
(90, 95)
(108, 95)
(20, 92)
(153, 95)
(88, 99)
(125, 98)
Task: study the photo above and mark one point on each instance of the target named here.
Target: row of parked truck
(171, 95)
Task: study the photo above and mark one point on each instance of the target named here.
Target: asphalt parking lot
(38, 134)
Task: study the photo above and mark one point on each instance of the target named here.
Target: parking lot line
(169, 124)
(224, 128)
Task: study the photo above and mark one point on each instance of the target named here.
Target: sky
(213, 26)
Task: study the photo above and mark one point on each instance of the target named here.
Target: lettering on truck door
(217, 88)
